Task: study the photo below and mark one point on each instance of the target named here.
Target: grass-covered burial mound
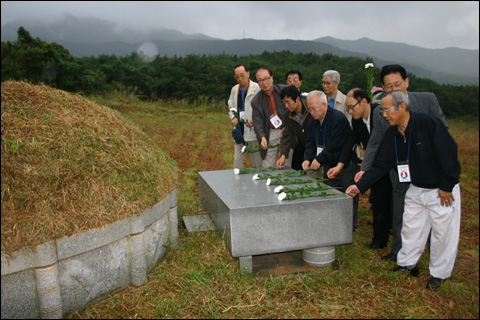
(69, 165)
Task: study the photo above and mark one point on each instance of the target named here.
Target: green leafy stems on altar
(258, 148)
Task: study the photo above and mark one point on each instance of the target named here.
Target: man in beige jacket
(240, 100)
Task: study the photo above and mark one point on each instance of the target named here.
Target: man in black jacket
(425, 157)
(394, 77)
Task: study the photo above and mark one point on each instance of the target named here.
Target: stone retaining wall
(65, 275)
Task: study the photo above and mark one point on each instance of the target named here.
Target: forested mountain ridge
(84, 37)
(198, 78)
(451, 60)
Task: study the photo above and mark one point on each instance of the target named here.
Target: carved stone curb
(65, 275)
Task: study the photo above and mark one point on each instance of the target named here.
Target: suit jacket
(261, 116)
(359, 134)
(419, 102)
(332, 135)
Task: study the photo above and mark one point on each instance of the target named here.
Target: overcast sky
(435, 25)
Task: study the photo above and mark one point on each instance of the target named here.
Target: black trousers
(381, 200)
(398, 204)
(298, 156)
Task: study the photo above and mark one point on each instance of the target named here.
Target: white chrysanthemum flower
(244, 148)
(278, 189)
(236, 171)
(233, 110)
(255, 177)
(305, 94)
(269, 181)
(282, 196)
(369, 65)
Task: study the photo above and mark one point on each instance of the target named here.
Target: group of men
(400, 149)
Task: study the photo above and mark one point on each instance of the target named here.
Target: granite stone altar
(253, 221)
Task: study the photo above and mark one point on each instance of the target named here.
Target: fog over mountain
(93, 36)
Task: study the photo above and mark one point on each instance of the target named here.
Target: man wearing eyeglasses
(240, 100)
(425, 156)
(336, 99)
(394, 77)
(267, 113)
(294, 78)
(360, 107)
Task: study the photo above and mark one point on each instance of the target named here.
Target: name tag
(320, 149)
(275, 121)
(403, 172)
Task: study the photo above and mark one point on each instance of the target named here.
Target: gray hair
(397, 98)
(320, 95)
(332, 73)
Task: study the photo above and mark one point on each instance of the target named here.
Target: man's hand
(358, 176)
(281, 162)
(332, 173)
(352, 191)
(315, 165)
(446, 198)
(234, 122)
(306, 165)
(264, 143)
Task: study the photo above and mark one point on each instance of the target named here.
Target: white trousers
(423, 212)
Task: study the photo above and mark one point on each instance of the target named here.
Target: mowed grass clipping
(69, 165)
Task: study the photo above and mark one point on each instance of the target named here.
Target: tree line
(194, 76)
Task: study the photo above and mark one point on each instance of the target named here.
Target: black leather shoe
(435, 283)
(390, 257)
(415, 272)
(375, 245)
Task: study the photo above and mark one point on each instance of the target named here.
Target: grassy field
(202, 280)
(69, 164)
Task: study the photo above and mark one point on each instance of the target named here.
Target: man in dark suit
(327, 132)
(394, 77)
(359, 106)
(267, 112)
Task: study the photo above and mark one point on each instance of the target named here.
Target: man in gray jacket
(267, 112)
(394, 77)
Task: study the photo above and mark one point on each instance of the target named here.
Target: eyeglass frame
(351, 108)
(293, 80)
(267, 79)
(382, 112)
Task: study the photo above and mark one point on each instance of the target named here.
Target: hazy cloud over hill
(432, 24)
